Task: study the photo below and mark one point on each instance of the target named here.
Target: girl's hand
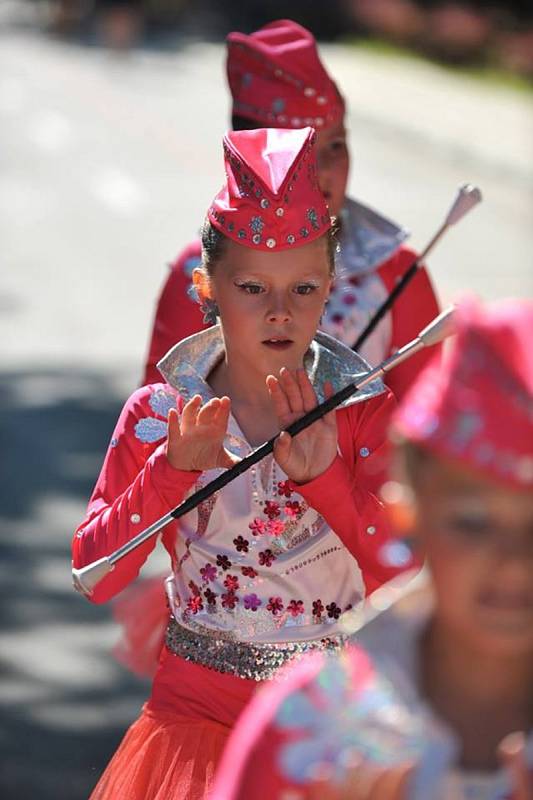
(311, 452)
(195, 442)
(366, 783)
(512, 752)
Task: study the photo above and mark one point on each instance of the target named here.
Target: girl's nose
(279, 310)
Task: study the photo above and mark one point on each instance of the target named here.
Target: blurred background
(111, 116)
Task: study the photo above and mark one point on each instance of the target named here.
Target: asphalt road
(107, 166)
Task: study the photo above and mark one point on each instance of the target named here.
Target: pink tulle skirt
(172, 750)
(164, 757)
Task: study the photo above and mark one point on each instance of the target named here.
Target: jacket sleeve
(177, 315)
(412, 311)
(135, 488)
(346, 494)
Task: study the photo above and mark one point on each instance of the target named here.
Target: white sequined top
(254, 562)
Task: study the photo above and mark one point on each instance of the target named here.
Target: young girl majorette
(267, 568)
(453, 652)
(276, 79)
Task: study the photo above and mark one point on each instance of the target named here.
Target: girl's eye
(305, 288)
(338, 145)
(250, 288)
(470, 527)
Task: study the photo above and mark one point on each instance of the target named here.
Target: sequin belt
(257, 662)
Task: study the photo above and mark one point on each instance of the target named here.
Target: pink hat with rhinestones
(271, 198)
(276, 78)
(476, 407)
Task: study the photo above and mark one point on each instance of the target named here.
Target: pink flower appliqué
(266, 558)
(258, 526)
(271, 509)
(241, 544)
(229, 600)
(333, 610)
(284, 489)
(211, 597)
(295, 608)
(251, 602)
(275, 527)
(293, 508)
(249, 572)
(195, 604)
(275, 605)
(318, 608)
(223, 562)
(208, 573)
(231, 583)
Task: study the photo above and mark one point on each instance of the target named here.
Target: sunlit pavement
(107, 166)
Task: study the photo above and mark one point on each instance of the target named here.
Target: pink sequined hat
(276, 78)
(476, 406)
(271, 198)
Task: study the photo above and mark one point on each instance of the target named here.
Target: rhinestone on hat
(309, 91)
(291, 239)
(264, 203)
(280, 212)
(271, 242)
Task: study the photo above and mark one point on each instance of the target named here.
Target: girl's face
(333, 165)
(478, 539)
(270, 303)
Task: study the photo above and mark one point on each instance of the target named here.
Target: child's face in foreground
(333, 165)
(478, 538)
(270, 303)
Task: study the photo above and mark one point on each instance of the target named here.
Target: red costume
(264, 570)
(277, 79)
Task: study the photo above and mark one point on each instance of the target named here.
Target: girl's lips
(278, 344)
(507, 601)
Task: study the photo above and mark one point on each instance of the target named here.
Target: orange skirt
(164, 756)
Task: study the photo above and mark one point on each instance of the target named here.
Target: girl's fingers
(282, 449)
(393, 784)
(227, 459)
(289, 384)
(174, 432)
(278, 397)
(190, 412)
(306, 390)
(220, 420)
(512, 752)
(208, 412)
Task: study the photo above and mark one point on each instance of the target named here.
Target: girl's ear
(202, 284)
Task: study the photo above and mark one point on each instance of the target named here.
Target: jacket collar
(367, 239)
(188, 364)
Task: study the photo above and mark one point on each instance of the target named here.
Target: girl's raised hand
(196, 441)
(512, 753)
(311, 452)
(366, 783)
